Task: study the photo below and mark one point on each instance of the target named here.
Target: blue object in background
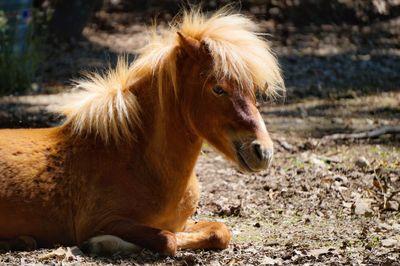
(18, 14)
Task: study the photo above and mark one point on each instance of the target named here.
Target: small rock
(363, 207)
(396, 227)
(257, 225)
(385, 226)
(74, 251)
(362, 162)
(392, 206)
(389, 242)
(320, 251)
(270, 261)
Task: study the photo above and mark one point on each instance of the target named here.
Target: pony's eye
(219, 91)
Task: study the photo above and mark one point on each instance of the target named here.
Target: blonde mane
(107, 107)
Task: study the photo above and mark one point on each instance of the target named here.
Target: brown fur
(62, 187)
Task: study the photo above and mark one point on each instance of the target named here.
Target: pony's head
(207, 69)
(221, 63)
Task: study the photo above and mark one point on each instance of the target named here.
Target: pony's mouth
(241, 158)
(242, 162)
(249, 159)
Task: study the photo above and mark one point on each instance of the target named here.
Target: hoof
(107, 245)
(168, 245)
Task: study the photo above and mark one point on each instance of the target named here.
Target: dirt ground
(322, 201)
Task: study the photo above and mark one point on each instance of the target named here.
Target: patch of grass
(246, 237)
(373, 242)
(299, 164)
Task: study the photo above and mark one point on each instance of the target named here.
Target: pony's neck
(168, 142)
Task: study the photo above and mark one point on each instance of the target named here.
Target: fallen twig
(392, 194)
(366, 134)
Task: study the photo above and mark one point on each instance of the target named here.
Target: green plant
(17, 70)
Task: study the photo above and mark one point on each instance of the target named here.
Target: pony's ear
(190, 45)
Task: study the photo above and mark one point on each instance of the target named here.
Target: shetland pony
(118, 173)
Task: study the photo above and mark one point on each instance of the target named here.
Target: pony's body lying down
(119, 171)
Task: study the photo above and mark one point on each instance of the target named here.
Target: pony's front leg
(126, 237)
(203, 235)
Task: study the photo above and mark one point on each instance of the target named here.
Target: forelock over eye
(219, 91)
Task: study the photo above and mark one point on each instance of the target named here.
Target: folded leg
(124, 237)
(203, 235)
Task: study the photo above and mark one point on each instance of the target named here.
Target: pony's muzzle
(263, 154)
(254, 156)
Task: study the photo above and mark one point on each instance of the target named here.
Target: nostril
(258, 151)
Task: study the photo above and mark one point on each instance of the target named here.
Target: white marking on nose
(261, 123)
